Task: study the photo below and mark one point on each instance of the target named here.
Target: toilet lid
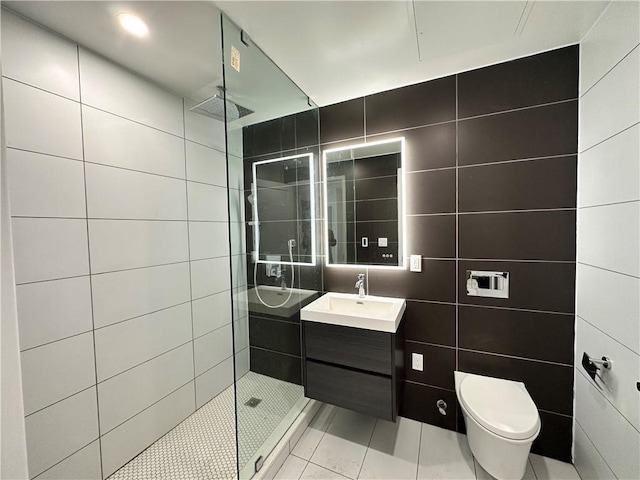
(501, 406)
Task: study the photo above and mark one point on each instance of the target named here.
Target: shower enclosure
(272, 136)
(164, 230)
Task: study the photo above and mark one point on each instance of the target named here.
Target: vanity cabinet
(354, 368)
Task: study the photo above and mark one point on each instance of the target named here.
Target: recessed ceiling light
(133, 24)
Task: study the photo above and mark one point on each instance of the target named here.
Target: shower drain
(253, 402)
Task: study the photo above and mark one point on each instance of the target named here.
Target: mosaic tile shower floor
(202, 447)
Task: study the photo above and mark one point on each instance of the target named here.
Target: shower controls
(487, 284)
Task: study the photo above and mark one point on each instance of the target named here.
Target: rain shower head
(214, 107)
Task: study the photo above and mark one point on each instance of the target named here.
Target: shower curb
(288, 442)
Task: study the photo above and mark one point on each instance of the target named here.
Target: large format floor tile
(405, 449)
(344, 445)
(393, 451)
(444, 454)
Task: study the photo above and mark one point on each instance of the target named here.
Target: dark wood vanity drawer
(353, 347)
(366, 393)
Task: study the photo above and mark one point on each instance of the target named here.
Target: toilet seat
(501, 406)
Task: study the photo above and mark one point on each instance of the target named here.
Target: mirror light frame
(256, 219)
(402, 204)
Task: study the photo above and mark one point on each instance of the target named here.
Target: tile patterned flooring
(202, 447)
(340, 444)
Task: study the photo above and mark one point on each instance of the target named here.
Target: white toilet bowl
(502, 422)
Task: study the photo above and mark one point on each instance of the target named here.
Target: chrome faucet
(282, 278)
(360, 285)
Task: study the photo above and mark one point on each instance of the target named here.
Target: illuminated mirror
(283, 210)
(364, 204)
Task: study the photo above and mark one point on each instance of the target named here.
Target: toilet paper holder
(590, 364)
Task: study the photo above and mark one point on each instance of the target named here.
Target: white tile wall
(60, 430)
(116, 193)
(240, 302)
(613, 101)
(241, 334)
(213, 381)
(126, 395)
(127, 344)
(45, 186)
(238, 236)
(138, 292)
(609, 236)
(205, 164)
(610, 39)
(109, 87)
(239, 270)
(149, 232)
(607, 439)
(57, 133)
(126, 244)
(236, 172)
(119, 142)
(208, 240)
(236, 205)
(124, 442)
(207, 202)
(609, 172)
(609, 301)
(37, 57)
(48, 249)
(202, 129)
(614, 437)
(211, 313)
(53, 310)
(587, 460)
(212, 348)
(242, 363)
(82, 465)
(618, 384)
(209, 276)
(56, 371)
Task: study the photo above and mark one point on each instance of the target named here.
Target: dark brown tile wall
(493, 187)
(274, 339)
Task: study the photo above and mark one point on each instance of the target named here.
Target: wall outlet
(416, 362)
(416, 263)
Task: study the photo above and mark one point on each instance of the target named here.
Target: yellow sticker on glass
(235, 58)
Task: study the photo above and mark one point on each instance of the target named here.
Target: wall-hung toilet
(502, 422)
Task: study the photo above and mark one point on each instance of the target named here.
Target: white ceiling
(333, 50)
(337, 50)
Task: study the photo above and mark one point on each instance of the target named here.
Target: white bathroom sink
(348, 310)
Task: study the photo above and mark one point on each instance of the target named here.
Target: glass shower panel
(272, 134)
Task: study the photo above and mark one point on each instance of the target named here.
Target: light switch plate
(417, 362)
(416, 263)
